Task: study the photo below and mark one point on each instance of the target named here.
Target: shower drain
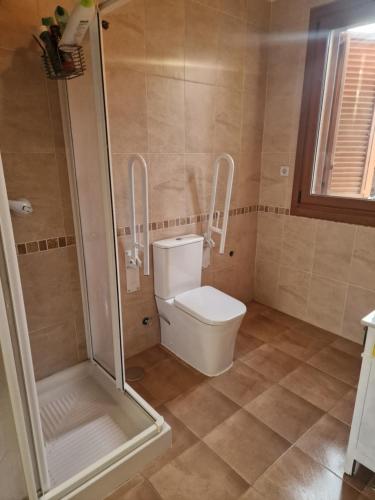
(134, 373)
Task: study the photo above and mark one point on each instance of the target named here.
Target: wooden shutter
(352, 158)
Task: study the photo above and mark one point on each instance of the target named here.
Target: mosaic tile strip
(65, 241)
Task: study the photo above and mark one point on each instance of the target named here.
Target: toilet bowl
(199, 324)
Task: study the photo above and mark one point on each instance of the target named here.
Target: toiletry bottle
(78, 24)
(61, 16)
(51, 49)
(47, 21)
(65, 58)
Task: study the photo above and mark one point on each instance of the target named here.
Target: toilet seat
(209, 305)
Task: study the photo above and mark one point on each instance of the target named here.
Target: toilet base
(207, 348)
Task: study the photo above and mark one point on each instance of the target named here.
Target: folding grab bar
(133, 260)
(214, 227)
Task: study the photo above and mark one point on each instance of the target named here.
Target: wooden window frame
(323, 20)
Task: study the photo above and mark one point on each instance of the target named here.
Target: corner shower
(84, 429)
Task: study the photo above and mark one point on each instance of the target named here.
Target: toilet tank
(177, 265)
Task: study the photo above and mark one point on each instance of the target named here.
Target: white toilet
(198, 323)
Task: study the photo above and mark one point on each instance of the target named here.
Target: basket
(69, 63)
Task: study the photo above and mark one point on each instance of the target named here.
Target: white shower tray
(91, 429)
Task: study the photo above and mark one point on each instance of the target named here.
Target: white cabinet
(361, 447)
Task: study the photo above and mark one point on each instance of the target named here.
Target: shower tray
(89, 424)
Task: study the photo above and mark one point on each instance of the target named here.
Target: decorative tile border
(65, 241)
(45, 245)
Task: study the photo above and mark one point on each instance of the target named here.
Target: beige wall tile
(266, 280)
(127, 109)
(298, 243)
(165, 115)
(167, 183)
(273, 186)
(66, 199)
(270, 236)
(246, 180)
(326, 303)
(231, 52)
(124, 41)
(279, 124)
(165, 38)
(362, 272)
(202, 42)
(35, 177)
(252, 118)
(199, 116)
(333, 250)
(236, 8)
(16, 24)
(198, 182)
(228, 113)
(24, 118)
(255, 57)
(258, 14)
(359, 303)
(293, 290)
(53, 349)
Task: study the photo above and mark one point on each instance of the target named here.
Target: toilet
(199, 324)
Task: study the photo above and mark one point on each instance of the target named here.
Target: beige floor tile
(136, 488)
(182, 439)
(318, 388)
(198, 474)
(252, 494)
(202, 409)
(349, 347)
(244, 344)
(284, 412)
(241, 383)
(167, 380)
(148, 358)
(263, 328)
(337, 363)
(326, 443)
(297, 477)
(246, 444)
(299, 344)
(343, 410)
(270, 362)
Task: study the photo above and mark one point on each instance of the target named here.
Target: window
(335, 163)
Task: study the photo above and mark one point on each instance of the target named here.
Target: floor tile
(182, 439)
(202, 409)
(284, 412)
(246, 444)
(198, 473)
(296, 476)
(148, 358)
(252, 494)
(348, 346)
(299, 344)
(317, 387)
(263, 328)
(245, 344)
(344, 409)
(337, 363)
(168, 379)
(241, 383)
(136, 488)
(326, 443)
(270, 362)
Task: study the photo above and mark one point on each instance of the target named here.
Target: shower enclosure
(82, 430)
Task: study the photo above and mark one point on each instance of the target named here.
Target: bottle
(78, 24)
(47, 21)
(61, 16)
(50, 49)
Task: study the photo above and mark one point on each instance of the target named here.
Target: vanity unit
(361, 448)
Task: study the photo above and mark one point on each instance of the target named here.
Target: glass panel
(91, 184)
(345, 154)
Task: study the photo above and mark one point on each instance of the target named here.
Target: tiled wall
(319, 271)
(185, 82)
(32, 147)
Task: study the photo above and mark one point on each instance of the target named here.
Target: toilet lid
(209, 305)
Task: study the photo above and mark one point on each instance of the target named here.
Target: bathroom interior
(187, 250)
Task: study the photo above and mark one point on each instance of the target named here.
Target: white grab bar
(214, 228)
(135, 245)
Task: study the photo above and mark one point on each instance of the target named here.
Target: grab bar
(214, 228)
(135, 245)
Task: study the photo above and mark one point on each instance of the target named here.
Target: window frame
(323, 19)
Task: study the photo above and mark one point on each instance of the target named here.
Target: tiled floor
(274, 427)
